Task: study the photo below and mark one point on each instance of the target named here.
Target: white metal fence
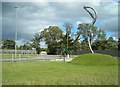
(28, 57)
(18, 51)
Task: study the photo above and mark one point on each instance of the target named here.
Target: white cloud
(58, 0)
(115, 38)
(42, 4)
(19, 42)
(34, 17)
(110, 25)
(78, 22)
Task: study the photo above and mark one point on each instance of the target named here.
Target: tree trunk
(90, 44)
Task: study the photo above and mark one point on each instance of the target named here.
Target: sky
(33, 17)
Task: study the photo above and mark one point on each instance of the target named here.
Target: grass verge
(57, 73)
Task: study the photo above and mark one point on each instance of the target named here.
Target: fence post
(12, 57)
(37, 56)
(2, 56)
(19, 56)
(63, 59)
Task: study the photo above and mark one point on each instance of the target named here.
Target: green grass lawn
(57, 73)
(95, 60)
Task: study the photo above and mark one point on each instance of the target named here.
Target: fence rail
(18, 51)
(8, 55)
(9, 58)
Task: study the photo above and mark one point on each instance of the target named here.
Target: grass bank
(95, 60)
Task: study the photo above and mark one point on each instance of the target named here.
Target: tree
(52, 36)
(66, 44)
(36, 42)
(101, 42)
(8, 44)
(101, 35)
(112, 44)
(119, 44)
(105, 44)
(99, 45)
(0, 44)
(69, 44)
(26, 46)
(88, 32)
(68, 28)
(84, 45)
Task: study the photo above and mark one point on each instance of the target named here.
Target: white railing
(10, 57)
(18, 51)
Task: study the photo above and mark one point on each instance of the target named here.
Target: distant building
(43, 53)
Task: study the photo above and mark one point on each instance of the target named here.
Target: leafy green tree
(68, 28)
(8, 44)
(101, 42)
(36, 42)
(0, 44)
(84, 45)
(119, 44)
(26, 46)
(88, 32)
(106, 44)
(112, 44)
(52, 37)
(44, 49)
(99, 45)
(101, 35)
(69, 45)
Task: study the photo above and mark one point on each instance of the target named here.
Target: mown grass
(57, 73)
(95, 60)
(0, 71)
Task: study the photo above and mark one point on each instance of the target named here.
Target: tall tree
(101, 35)
(105, 44)
(8, 44)
(68, 27)
(36, 42)
(101, 41)
(88, 32)
(100, 45)
(84, 45)
(112, 44)
(52, 36)
(119, 44)
(26, 46)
